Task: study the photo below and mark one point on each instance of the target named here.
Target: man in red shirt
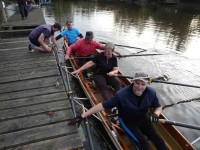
(84, 47)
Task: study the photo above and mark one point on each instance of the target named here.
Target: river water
(171, 30)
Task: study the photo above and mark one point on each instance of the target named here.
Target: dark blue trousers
(147, 128)
(22, 8)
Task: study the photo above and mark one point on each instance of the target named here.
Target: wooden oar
(125, 46)
(84, 57)
(159, 81)
(131, 55)
(174, 83)
(179, 124)
(121, 56)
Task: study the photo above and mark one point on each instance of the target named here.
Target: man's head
(108, 50)
(140, 82)
(69, 25)
(56, 27)
(89, 36)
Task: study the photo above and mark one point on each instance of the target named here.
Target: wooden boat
(173, 138)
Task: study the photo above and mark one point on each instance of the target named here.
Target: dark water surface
(169, 30)
(166, 29)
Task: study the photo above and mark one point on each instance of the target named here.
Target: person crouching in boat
(133, 103)
(105, 68)
(85, 47)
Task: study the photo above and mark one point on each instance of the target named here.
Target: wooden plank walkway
(16, 26)
(34, 107)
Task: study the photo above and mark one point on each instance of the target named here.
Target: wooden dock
(34, 107)
(18, 27)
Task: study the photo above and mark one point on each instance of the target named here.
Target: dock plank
(70, 142)
(32, 100)
(36, 134)
(33, 69)
(28, 65)
(33, 110)
(34, 121)
(31, 84)
(28, 75)
(31, 92)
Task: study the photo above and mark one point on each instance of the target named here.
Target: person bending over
(133, 103)
(39, 37)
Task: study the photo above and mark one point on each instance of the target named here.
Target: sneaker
(31, 50)
(89, 75)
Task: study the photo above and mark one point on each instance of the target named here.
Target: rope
(180, 102)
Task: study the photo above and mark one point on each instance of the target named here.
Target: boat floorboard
(34, 107)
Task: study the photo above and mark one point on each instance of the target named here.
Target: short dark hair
(68, 22)
(57, 25)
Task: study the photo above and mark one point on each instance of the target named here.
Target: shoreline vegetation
(191, 4)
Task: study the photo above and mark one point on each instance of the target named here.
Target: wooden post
(2, 12)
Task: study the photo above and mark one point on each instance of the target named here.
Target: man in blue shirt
(133, 103)
(71, 34)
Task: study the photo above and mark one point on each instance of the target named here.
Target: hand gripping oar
(159, 81)
(179, 124)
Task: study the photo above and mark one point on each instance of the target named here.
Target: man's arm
(85, 66)
(41, 41)
(58, 37)
(72, 47)
(78, 119)
(95, 109)
(114, 71)
(54, 42)
(158, 111)
(80, 35)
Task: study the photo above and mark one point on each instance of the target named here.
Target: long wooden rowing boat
(173, 138)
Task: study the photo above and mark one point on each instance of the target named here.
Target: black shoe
(30, 48)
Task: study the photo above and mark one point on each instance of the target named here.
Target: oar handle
(179, 124)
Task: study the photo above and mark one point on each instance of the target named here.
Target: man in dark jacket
(133, 103)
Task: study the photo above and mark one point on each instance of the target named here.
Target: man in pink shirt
(84, 47)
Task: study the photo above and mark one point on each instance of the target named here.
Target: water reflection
(157, 29)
